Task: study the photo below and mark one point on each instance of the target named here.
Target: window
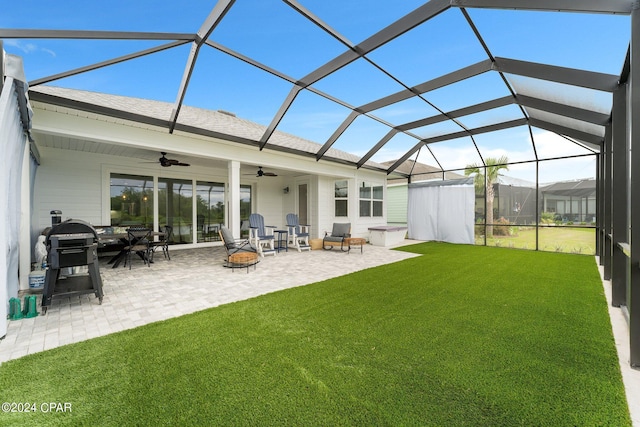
(371, 200)
(341, 194)
(131, 200)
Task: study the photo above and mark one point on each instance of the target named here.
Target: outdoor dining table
(106, 239)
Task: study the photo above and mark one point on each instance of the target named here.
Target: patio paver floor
(193, 280)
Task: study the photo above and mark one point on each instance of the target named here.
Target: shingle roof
(191, 119)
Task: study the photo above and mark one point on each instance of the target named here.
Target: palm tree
(491, 168)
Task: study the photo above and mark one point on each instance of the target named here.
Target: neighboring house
(570, 201)
(98, 160)
(514, 201)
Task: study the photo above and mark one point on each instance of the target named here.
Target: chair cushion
(340, 229)
(229, 241)
(333, 239)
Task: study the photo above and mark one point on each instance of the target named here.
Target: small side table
(243, 259)
(281, 243)
(355, 241)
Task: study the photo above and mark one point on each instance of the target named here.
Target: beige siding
(397, 197)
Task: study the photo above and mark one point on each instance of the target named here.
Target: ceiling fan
(261, 173)
(164, 162)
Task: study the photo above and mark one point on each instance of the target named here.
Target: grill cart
(71, 245)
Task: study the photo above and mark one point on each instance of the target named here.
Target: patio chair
(260, 235)
(235, 248)
(339, 233)
(298, 234)
(163, 242)
(138, 243)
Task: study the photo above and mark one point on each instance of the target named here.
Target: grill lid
(72, 229)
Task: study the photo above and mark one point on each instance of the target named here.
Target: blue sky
(274, 34)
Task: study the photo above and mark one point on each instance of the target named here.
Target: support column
(620, 185)
(607, 201)
(634, 111)
(233, 202)
(599, 209)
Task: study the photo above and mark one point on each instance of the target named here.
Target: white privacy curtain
(442, 211)
(14, 112)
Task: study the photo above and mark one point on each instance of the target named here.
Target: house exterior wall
(397, 200)
(70, 182)
(326, 211)
(77, 182)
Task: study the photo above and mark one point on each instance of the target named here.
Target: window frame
(367, 197)
(340, 198)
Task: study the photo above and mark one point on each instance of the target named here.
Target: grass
(460, 336)
(551, 239)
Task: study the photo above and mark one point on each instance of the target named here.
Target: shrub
(546, 218)
(501, 227)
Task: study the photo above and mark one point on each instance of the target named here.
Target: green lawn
(460, 336)
(551, 239)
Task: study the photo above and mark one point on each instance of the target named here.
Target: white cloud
(27, 48)
(49, 51)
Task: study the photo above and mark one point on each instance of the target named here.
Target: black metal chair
(234, 246)
(339, 233)
(138, 242)
(163, 242)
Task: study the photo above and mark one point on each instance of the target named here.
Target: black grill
(70, 250)
(73, 243)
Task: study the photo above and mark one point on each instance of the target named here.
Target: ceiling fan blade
(182, 164)
(269, 174)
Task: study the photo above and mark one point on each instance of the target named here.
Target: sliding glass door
(175, 207)
(209, 210)
(132, 203)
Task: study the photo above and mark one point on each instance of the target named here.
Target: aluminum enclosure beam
(478, 108)
(548, 106)
(587, 6)
(573, 133)
(214, 18)
(401, 26)
(440, 138)
(320, 23)
(98, 65)
(447, 79)
(633, 291)
(6, 33)
(377, 147)
(563, 110)
(334, 137)
(569, 76)
(617, 198)
(607, 222)
(279, 115)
